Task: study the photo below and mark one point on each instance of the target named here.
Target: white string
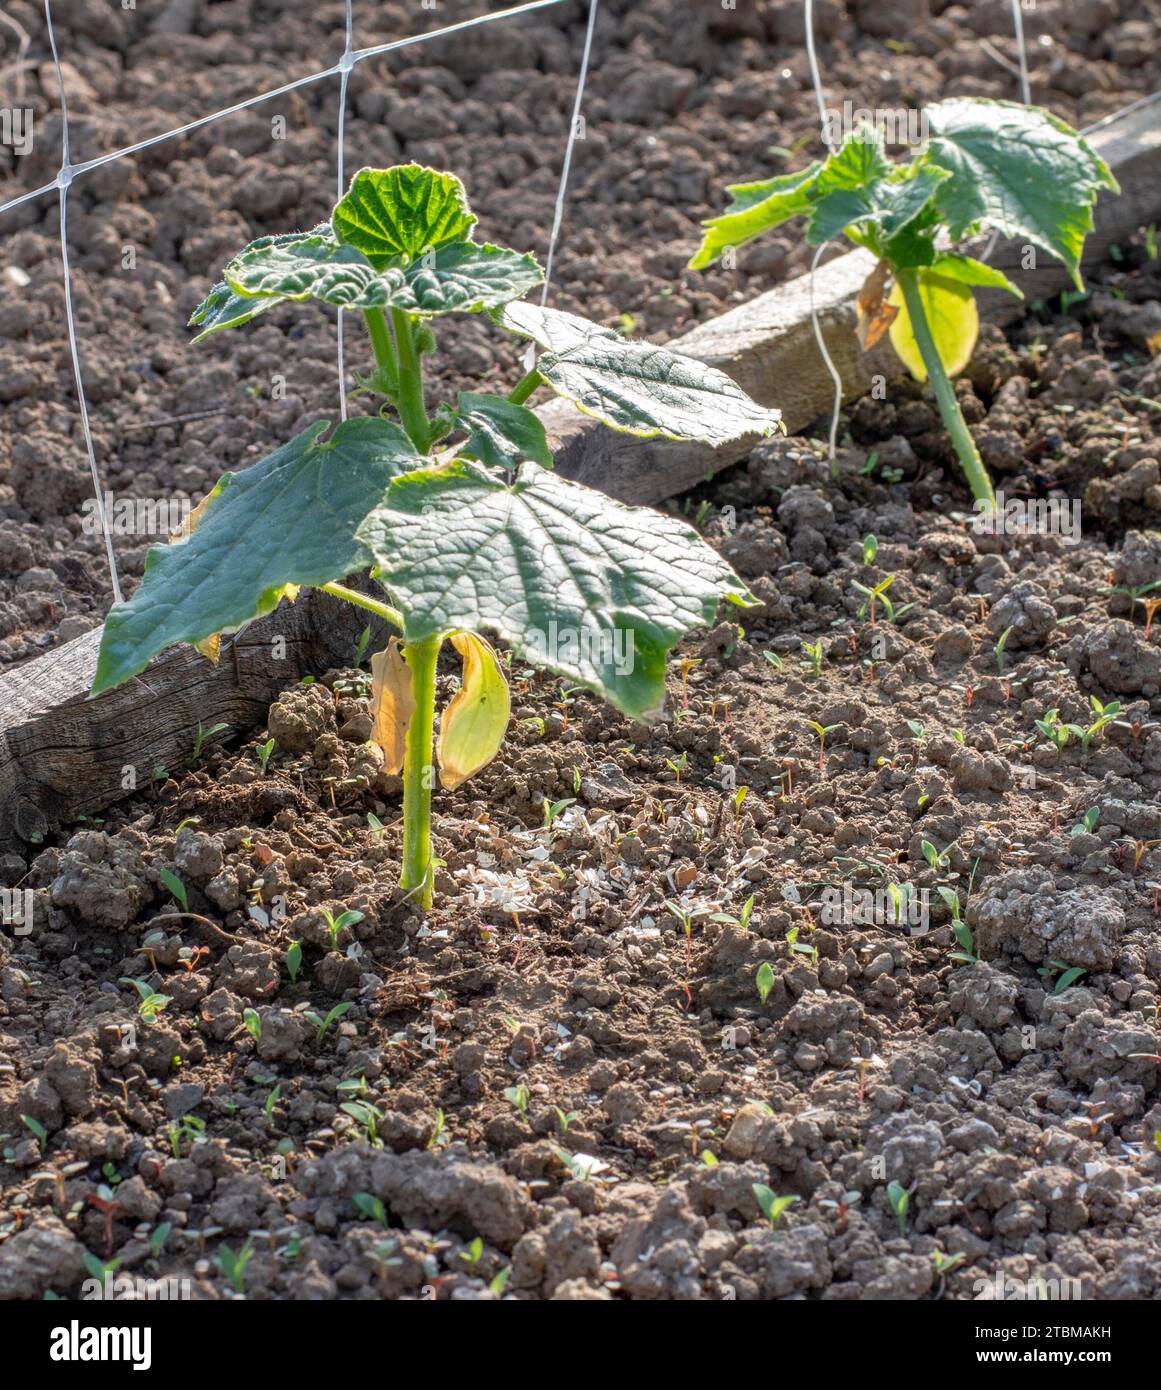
(346, 63)
(1018, 22)
(68, 172)
(816, 79)
(64, 179)
(558, 215)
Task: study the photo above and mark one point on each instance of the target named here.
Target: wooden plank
(63, 755)
(767, 345)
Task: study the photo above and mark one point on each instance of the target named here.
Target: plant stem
(950, 413)
(409, 399)
(417, 872)
(383, 348)
(372, 605)
(525, 387)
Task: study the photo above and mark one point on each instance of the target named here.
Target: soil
(675, 110)
(574, 1097)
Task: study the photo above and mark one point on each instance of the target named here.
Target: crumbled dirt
(571, 1095)
(674, 112)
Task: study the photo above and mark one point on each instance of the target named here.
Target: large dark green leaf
(636, 387)
(289, 520)
(576, 582)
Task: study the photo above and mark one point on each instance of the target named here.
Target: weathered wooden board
(63, 756)
(767, 345)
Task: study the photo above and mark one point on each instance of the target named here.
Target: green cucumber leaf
(754, 208)
(575, 582)
(389, 214)
(858, 187)
(224, 308)
(459, 277)
(636, 387)
(290, 519)
(1018, 170)
(501, 434)
(972, 272)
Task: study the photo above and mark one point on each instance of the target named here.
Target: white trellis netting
(342, 69)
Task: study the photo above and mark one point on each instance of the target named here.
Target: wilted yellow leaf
(473, 725)
(952, 317)
(873, 314)
(392, 703)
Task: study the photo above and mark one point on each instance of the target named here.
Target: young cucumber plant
(484, 537)
(987, 165)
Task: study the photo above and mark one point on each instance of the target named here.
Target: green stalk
(372, 605)
(417, 876)
(525, 387)
(412, 411)
(950, 413)
(384, 350)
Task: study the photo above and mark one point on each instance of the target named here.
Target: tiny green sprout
(233, 1264)
(999, 649)
(176, 888)
(938, 859)
(150, 1003)
(943, 1265)
(157, 1238)
(814, 651)
(870, 549)
(361, 646)
(519, 1097)
(265, 752)
(957, 734)
(822, 730)
(1087, 823)
(500, 1281)
(1106, 714)
(253, 1023)
(376, 827)
(1157, 1140)
(473, 1254)
(294, 960)
(337, 925)
(677, 766)
(708, 1159)
(366, 1116)
(918, 732)
(765, 981)
(564, 1118)
(900, 1199)
(370, 1206)
(323, 1024)
(553, 809)
(36, 1129)
(874, 595)
(747, 909)
(771, 1204)
(576, 779)
(950, 900)
(200, 739)
(101, 1270)
(439, 1135)
(1053, 729)
(740, 796)
(774, 659)
(966, 954)
(1060, 974)
(271, 1101)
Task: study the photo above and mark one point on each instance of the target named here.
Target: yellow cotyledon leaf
(473, 725)
(952, 316)
(392, 704)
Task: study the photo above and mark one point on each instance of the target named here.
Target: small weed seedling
(149, 1002)
(874, 596)
(822, 730)
(986, 166)
(965, 938)
(870, 549)
(1138, 595)
(233, 1264)
(900, 1199)
(322, 1025)
(1053, 729)
(337, 925)
(37, 1130)
(814, 651)
(265, 753)
(294, 960)
(1001, 659)
(175, 887)
(370, 1206)
(1087, 823)
(938, 859)
(484, 536)
(765, 981)
(1060, 974)
(519, 1097)
(772, 1205)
